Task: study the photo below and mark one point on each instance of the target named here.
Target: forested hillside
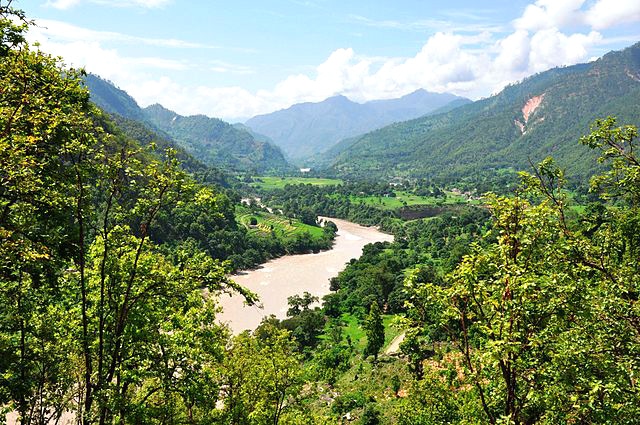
(217, 142)
(540, 116)
(210, 140)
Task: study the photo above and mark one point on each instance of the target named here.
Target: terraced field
(267, 222)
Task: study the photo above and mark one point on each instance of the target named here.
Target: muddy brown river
(283, 277)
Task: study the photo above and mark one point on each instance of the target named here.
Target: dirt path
(394, 346)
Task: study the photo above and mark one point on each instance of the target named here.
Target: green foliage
(531, 314)
(616, 148)
(97, 318)
(216, 142)
(261, 376)
(270, 183)
(375, 331)
(370, 415)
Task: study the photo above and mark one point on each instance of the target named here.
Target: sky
(235, 59)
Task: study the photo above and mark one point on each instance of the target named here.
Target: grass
(269, 182)
(365, 381)
(280, 225)
(357, 335)
(407, 199)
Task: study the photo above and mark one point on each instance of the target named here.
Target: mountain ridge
(210, 140)
(308, 128)
(493, 134)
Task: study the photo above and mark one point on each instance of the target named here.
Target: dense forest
(114, 249)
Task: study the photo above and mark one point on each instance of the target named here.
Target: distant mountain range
(451, 139)
(543, 115)
(306, 129)
(210, 140)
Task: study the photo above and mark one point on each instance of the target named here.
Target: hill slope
(217, 142)
(308, 128)
(543, 115)
(210, 140)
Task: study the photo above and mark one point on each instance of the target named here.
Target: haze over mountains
(305, 129)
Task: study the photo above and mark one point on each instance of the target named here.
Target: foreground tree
(374, 329)
(545, 318)
(95, 318)
(261, 376)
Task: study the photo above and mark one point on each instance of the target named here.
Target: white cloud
(514, 51)
(606, 13)
(551, 48)
(544, 14)
(423, 25)
(147, 4)
(473, 65)
(64, 32)
(62, 4)
(601, 14)
(231, 68)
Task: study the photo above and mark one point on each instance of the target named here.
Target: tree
(543, 313)
(95, 317)
(43, 126)
(374, 329)
(260, 377)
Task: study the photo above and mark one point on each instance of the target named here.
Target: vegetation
(308, 128)
(375, 331)
(476, 140)
(216, 142)
(112, 256)
(270, 182)
(211, 141)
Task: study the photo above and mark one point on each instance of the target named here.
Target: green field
(355, 332)
(407, 199)
(267, 182)
(281, 226)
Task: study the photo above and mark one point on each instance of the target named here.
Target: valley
(367, 246)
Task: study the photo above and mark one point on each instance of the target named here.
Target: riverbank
(283, 277)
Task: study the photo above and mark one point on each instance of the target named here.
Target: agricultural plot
(404, 199)
(269, 182)
(282, 226)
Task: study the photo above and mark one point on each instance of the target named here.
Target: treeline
(305, 200)
(436, 244)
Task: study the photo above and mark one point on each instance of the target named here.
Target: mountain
(305, 129)
(112, 99)
(210, 140)
(217, 142)
(543, 115)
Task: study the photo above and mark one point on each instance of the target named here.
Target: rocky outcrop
(530, 107)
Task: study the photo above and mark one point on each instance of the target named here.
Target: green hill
(210, 140)
(540, 116)
(217, 142)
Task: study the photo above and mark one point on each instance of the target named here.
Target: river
(283, 277)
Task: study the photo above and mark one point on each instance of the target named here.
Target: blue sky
(236, 59)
